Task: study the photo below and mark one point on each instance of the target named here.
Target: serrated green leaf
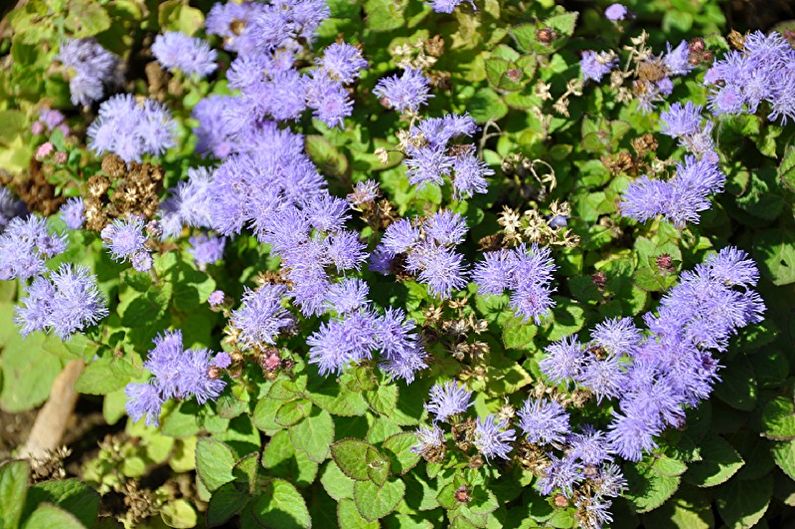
(647, 489)
(70, 494)
(743, 503)
(227, 501)
(351, 457)
(106, 375)
(48, 516)
(778, 419)
(281, 505)
(336, 483)
(314, 435)
(293, 412)
(214, 462)
(398, 448)
(348, 517)
(374, 502)
(784, 456)
(719, 462)
(13, 491)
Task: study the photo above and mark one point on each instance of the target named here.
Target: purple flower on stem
(544, 421)
(404, 93)
(492, 438)
(177, 51)
(448, 399)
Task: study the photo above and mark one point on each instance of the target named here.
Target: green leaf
(786, 168)
(282, 460)
(28, 372)
(48, 516)
(738, 387)
(398, 448)
(105, 375)
(227, 501)
(683, 513)
(778, 419)
(374, 502)
(486, 105)
(179, 513)
(314, 435)
(214, 462)
(13, 491)
(743, 503)
(774, 250)
(784, 456)
(265, 415)
(70, 494)
(326, 393)
(86, 19)
(293, 412)
(348, 517)
(351, 456)
(647, 489)
(281, 505)
(720, 461)
(377, 467)
(337, 484)
(328, 159)
(384, 15)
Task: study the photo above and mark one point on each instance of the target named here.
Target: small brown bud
(514, 74)
(462, 494)
(599, 279)
(665, 263)
(560, 501)
(697, 45)
(546, 35)
(213, 372)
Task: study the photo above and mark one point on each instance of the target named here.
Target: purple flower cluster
(261, 316)
(25, 245)
(427, 249)
(595, 65)
(655, 375)
(190, 55)
(527, 275)
(126, 241)
(493, 438)
(232, 21)
(49, 120)
(763, 71)
(325, 92)
(189, 203)
(65, 302)
(684, 122)
(355, 337)
(207, 249)
(431, 158)
(72, 213)
(404, 93)
(448, 6)
(91, 69)
(178, 373)
(130, 130)
(448, 399)
(616, 12)
(268, 38)
(680, 199)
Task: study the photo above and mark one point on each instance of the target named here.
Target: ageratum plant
(395, 263)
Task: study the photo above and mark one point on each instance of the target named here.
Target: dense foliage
(395, 263)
